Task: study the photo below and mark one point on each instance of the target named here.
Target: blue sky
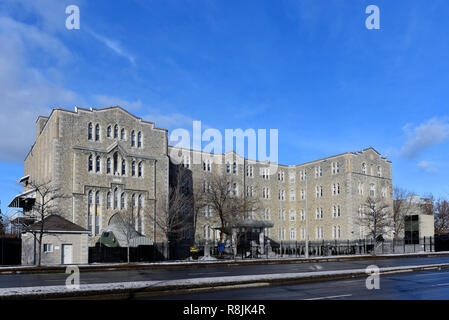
(307, 68)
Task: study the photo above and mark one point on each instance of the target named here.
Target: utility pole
(307, 218)
(281, 218)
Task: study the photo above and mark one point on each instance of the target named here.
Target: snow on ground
(102, 287)
(238, 259)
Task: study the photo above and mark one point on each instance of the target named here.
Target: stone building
(107, 160)
(104, 161)
(336, 190)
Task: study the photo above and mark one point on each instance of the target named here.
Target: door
(66, 254)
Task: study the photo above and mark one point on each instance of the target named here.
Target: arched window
(109, 132)
(97, 198)
(116, 131)
(115, 198)
(108, 165)
(122, 134)
(90, 163)
(97, 132)
(97, 164)
(122, 201)
(133, 168)
(139, 204)
(234, 168)
(123, 167)
(364, 168)
(115, 162)
(89, 211)
(139, 223)
(90, 199)
(109, 200)
(139, 169)
(89, 131)
(139, 140)
(133, 201)
(133, 139)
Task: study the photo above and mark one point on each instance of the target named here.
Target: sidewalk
(184, 263)
(147, 288)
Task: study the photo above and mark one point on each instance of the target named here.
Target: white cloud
(114, 46)
(27, 90)
(428, 134)
(425, 165)
(169, 121)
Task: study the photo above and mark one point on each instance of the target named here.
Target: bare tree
(401, 208)
(124, 222)
(441, 216)
(46, 204)
(229, 205)
(376, 218)
(177, 218)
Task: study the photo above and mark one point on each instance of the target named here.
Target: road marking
(440, 284)
(330, 297)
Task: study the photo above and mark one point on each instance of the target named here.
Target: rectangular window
(48, 247)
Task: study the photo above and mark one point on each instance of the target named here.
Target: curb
(227, 263)
(158, 288)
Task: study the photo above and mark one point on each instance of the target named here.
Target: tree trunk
(127, 252)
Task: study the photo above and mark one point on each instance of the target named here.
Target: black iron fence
(321, 248)
(10, 251)
(104, 254)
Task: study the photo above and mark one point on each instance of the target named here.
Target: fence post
(424, 244)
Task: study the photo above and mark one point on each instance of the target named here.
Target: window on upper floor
(108, 165)
(97, 164)
(292, 215)
(89, 131)
(364, 168)
(140, 169)
(292, 195)
(109, 200)
(292, 177)
(234, 168)
(116, 131)
(90, 164)
(133, 139)
(115, 198)
(379, 171)
(123, 167)
(372, 189)
(133, 168)
(97, 132)
(122, 134)
(122, 201)
(139, 140)
(109, 132)
(228, 167)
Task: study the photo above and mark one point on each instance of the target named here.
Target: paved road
(421, 285)
(52, 279)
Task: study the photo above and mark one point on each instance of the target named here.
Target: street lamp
(307, 219)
